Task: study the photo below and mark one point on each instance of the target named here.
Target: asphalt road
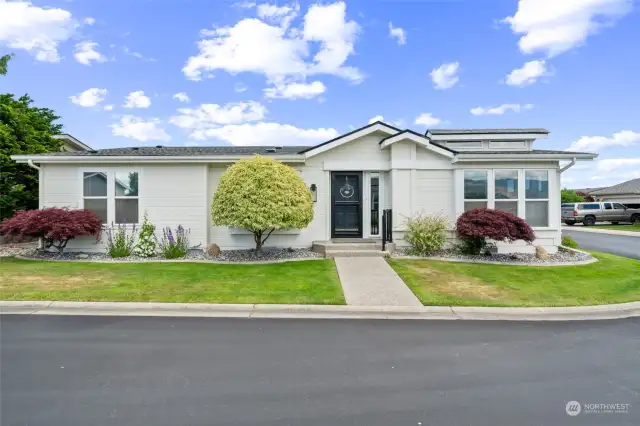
(621, 245)
(66, 371)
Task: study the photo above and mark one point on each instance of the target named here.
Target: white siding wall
(171, 195)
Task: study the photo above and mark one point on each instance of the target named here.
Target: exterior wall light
(314, 192)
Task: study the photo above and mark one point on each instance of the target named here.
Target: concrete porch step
(356, 253)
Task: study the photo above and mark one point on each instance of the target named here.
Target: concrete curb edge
(598, 312)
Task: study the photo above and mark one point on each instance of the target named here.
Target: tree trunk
(257, 237)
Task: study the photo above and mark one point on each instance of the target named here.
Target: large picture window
(476, 190)
(522, 192)
(112, 195)
(537, 197)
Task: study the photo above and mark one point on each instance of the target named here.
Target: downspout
(30, 164)
(568, 166)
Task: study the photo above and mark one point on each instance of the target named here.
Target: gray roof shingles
(629, 187)
(172, 151)
(534, 151)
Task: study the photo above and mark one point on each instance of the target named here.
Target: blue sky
(191, 72)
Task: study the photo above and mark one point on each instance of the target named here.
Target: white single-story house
(625, 193)
(353, 178)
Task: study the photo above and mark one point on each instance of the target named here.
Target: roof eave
(524, 156)
(106, 159)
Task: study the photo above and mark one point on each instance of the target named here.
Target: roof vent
(278, 147)
(93, 151)
(135, 148)
(270, 150)
(159, 146)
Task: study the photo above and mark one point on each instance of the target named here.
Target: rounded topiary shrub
(261, 195)
(477, 226)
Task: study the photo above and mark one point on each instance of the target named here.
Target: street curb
(602, 231)
(599, 312)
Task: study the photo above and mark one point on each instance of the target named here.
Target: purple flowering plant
(174, 245)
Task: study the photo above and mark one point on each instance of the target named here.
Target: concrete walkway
(370, 281)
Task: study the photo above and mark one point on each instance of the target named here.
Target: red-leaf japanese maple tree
(477, 226)
(54, 225)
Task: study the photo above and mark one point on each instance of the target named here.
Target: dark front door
(346, 208)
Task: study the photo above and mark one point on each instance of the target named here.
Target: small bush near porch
(303, 282)
(613, 279)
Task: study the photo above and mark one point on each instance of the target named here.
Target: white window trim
(521, 200)
(111, 191)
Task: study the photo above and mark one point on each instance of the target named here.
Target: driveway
(621, 245)
(66, 370)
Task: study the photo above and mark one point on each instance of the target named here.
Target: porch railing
(387, 228)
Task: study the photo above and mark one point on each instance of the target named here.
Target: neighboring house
(625, 193)
(355, 177)
(71, 144)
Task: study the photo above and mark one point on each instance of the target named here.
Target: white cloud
(280, 53)
(138, 55)
(554, 27)
(398, 33)
(528, 74)
(615, 164)
(376, 118)
(624, 138)
(445, 76)
(208, 116)
(280, 15)
(500, 110)
(34, 29)
(295, 90)
(137, 100)
(85, 53)
(140, 129)
(239, 88)
(90, 97)
(181, 97)
(427, 119)
(108, 107)
(269, 134)
(89, 21)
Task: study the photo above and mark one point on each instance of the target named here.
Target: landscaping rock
(542, 253)
(82, 256)
(213, 250)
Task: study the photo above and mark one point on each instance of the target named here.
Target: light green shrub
(261, 195)
(427, 234)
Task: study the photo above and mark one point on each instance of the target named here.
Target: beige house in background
(353, 178)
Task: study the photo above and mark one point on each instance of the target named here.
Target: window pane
(506, 184)
(98, 206)
(537, 213)
(126, 210)
(126, 184)
(375, 204)
(537, 184)
(475, 184)
(607, 206)
(95, 184)
(508, 206)
(618, 206)
(470, 205)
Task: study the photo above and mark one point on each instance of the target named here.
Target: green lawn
(632, 228)
(612, 280)
(304, 282)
